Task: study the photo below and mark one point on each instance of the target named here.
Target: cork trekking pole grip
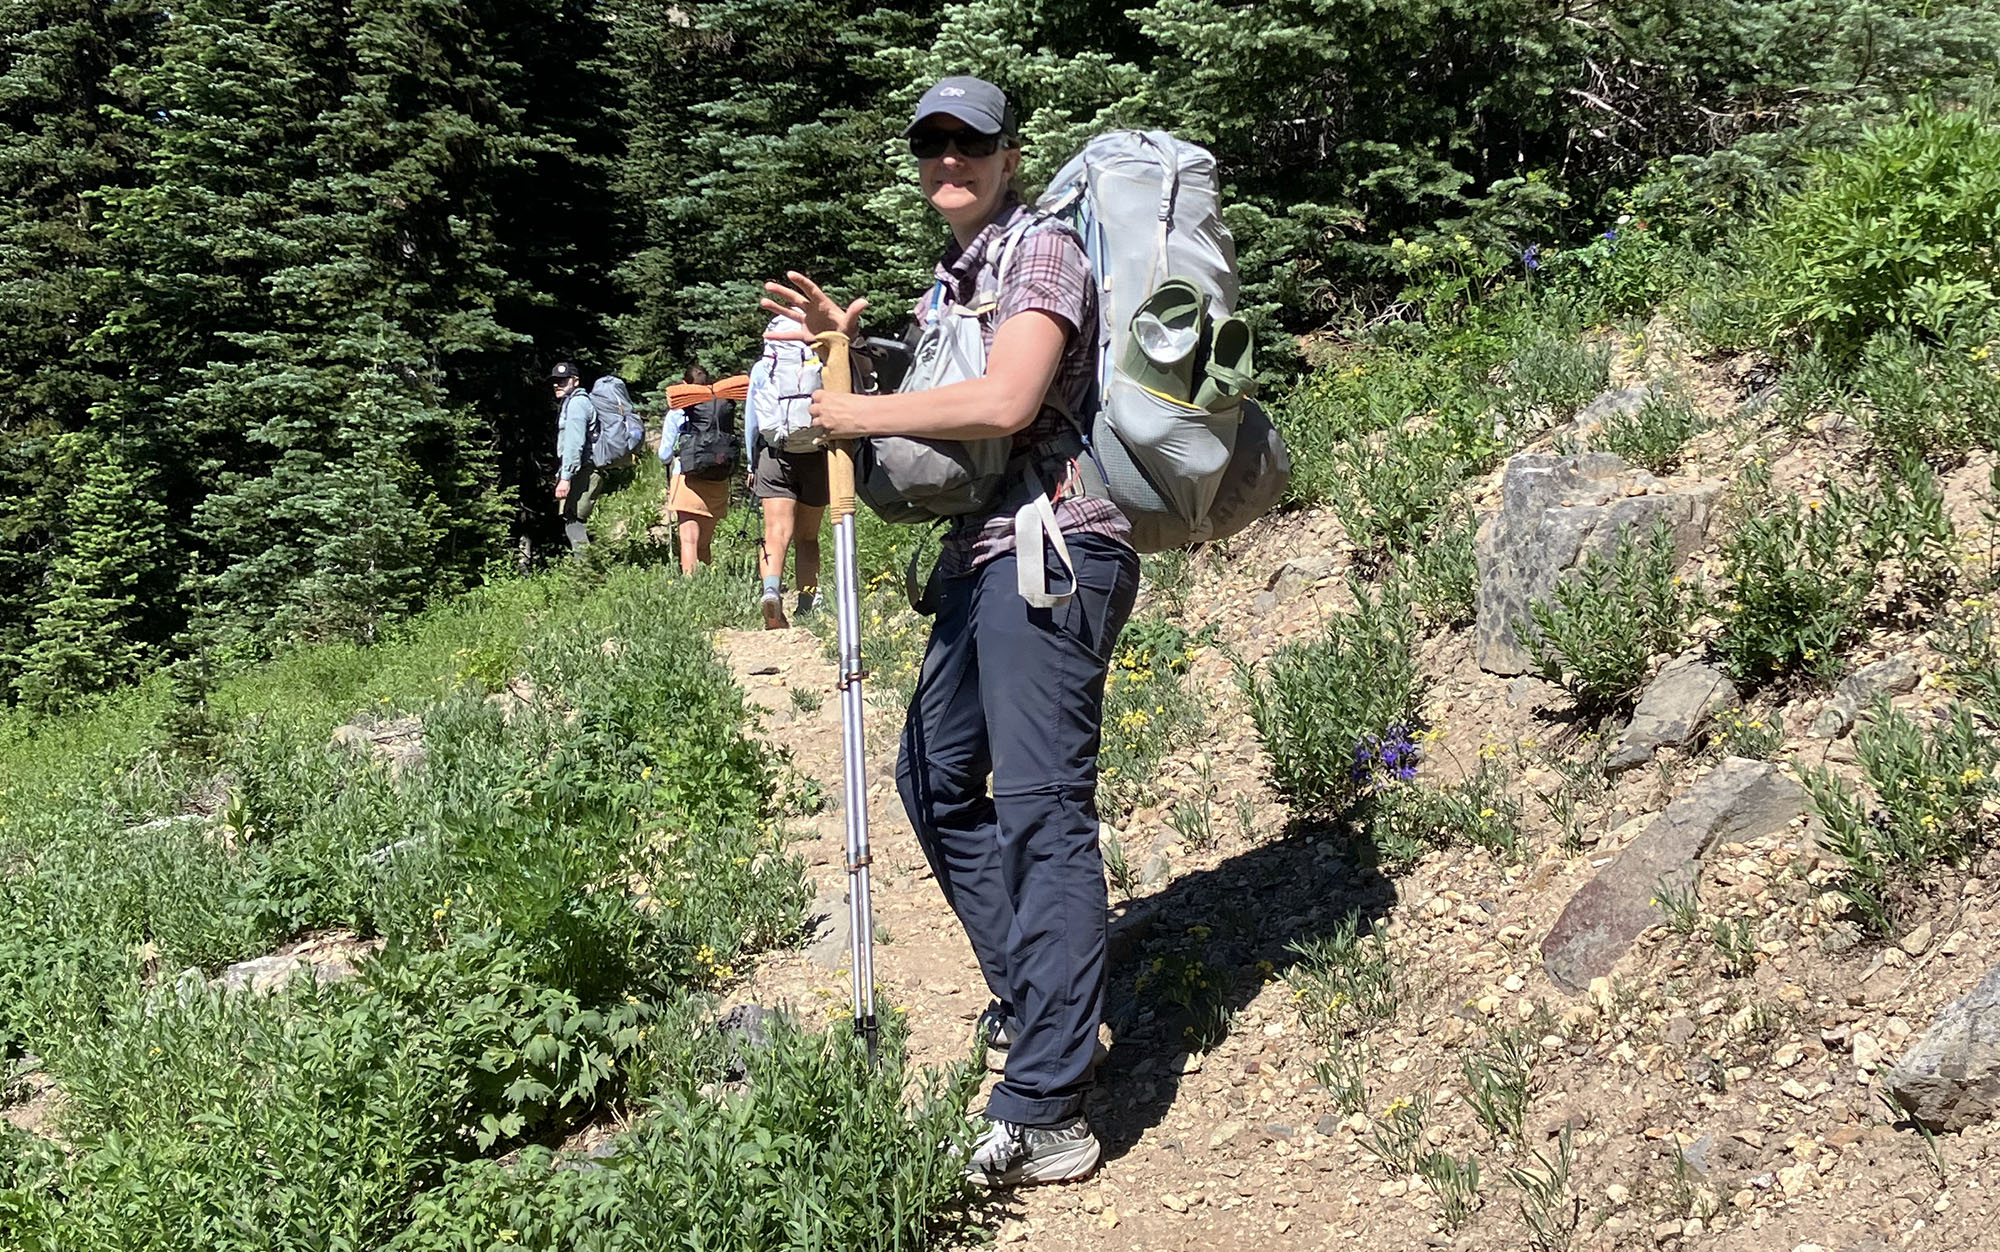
(836, 375)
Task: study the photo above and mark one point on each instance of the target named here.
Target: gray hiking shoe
(773, 606)
(1012, 1155)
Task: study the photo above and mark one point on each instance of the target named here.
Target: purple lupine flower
(1531, 256)
(1611, 235)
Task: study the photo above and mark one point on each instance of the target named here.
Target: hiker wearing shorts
(698, 504)
(791, 489)
(1008, 690)
(578, 482)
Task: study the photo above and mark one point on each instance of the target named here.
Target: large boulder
(1951, 1078)
(1672, 711)
(1555, 511)
(399, 741)
(1739, 799)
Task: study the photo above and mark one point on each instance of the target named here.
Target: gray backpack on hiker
(616, 429)
(1175, 441)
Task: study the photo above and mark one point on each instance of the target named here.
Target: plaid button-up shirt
(1048, 273)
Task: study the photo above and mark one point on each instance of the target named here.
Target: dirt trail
(1241, 1147)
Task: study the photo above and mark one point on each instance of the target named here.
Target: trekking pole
(834, 376)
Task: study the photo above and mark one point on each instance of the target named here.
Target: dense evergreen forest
(279, 278)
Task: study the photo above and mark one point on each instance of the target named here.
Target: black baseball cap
(562, 370)
(974, 101)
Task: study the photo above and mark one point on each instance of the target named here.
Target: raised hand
(807, 304)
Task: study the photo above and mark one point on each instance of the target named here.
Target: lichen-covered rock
(1891, 677)
(1554, 512)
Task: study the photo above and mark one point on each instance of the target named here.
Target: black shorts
(797, 476)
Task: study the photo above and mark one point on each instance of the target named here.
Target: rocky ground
(1711, 1103)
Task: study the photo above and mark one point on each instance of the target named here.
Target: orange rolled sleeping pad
(736, 387)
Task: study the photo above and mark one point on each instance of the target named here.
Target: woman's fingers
(784, 310)
(779, 289)
(807, 285)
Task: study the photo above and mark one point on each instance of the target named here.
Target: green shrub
(1599, 633)
(1918, 398)
(1318, 702)
(1404, 820)
(1388, 490)
(1443, 571)
(1799, 578)
(1653, 435)
(1896, 231)
(1928, 786)
(815, 1150)
(1344, 982)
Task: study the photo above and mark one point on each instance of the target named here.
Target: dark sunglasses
(928, 145)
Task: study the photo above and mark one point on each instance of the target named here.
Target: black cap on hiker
(974, 101)
(564, 370)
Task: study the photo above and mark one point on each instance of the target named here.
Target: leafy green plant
(1443, 571)
(1148, 706)
(1550, 1209)
(1343, 1071)
(1918, 397)
(1397, 1137)
(1406, 819)
(1319, 700)
(1344, 982)
(1553, 375)
(1895, 231)
(1455, 1183)
(1653, 435)
(1680, 906)
(1197, 991)
(1499, 1084)
(1929, 786)
(1118, 870)
(1598, 634)
(1735, 941)
(1799, 578)
(1756, 736)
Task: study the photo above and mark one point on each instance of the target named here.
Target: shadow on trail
(1221, 924)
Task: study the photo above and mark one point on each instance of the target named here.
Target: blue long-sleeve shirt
(670, 437)
(572, 434)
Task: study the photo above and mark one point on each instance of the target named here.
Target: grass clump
(1918, 397)
(1929, 785)
(1319, 701)
(1344, 982)
(1598, 634)
(1553, 375)
(1405, 819)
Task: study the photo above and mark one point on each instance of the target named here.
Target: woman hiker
(1008, 690)
(699, 498)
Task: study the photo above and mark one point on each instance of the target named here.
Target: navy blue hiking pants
(1017, 693)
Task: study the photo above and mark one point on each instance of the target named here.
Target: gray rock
(1554, 512)
(1528, 691)
(1951, 1078)
(1892, 677)
(399, 741)
(266, 974)
(1299, 574)
(1672, 710)
(1620, 403)
(827, 921)
(1737, 800)
(1156, 870)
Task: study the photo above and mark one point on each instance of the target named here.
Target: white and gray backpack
(1176, 442)
(782, 383)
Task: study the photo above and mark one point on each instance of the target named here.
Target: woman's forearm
(978, 408)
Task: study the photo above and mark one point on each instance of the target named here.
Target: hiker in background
(578, 482)
(698, 446)
(789, 485)
(1008, 689)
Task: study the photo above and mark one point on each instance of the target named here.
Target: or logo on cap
(952, 91)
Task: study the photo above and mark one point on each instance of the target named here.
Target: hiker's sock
(771, 585)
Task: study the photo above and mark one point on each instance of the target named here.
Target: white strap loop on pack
(1032, 522)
